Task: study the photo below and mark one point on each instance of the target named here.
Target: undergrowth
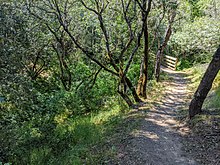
(195, 75)
(71, 139)
(203, 141)
(211, 103)
(60, 136)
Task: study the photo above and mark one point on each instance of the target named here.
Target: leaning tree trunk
(162, 47)
(160, 53)
(205, 85)
(126, 98)
(133, 91)
(122, 90)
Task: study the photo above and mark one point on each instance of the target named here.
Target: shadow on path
(158, 140)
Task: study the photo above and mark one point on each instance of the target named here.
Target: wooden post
(176, 63)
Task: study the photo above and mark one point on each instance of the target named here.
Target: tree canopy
(64, 59)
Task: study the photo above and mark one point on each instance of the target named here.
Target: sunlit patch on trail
(147, 134)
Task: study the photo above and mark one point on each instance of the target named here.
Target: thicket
(69, 67)
(212, 101)
(196, 36)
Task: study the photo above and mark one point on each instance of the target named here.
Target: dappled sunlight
(183, 130)
(159, 134)
(62, 117)
(147, 134)
(168, 123)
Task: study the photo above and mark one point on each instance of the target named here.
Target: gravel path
(158, 140)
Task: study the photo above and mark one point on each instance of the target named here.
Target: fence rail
(169, 62)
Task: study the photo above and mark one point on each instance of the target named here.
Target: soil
(159, 137)
(204, 142)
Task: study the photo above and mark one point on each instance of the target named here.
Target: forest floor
(158, 137)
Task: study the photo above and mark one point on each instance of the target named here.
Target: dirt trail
(158, 140)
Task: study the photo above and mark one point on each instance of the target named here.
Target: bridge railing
(169, 62)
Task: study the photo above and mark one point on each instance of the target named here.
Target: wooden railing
(169, 62)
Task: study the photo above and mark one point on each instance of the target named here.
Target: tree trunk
(142, 82)
(131, 87)
(158, 64)
(162, 47)
(205, 85)
(123, 91)
(146, 59)
(126, 98)
(139, 85)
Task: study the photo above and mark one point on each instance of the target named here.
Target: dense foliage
(62, 63)
(196, 36)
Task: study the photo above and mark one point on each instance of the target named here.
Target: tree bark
(133, 91)
(158, 64)
(139, 85)
(126, 98)
(205, 85)
(142, 82)
(122, 90)
(162, 47)
(146, 59)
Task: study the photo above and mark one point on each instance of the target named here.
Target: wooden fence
(169, 62)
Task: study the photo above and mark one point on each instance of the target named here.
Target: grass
(75, 140)
(212, 102)
(112, 126)
(203, 141)
(84, 134)
(196, 73)
(64, 138)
